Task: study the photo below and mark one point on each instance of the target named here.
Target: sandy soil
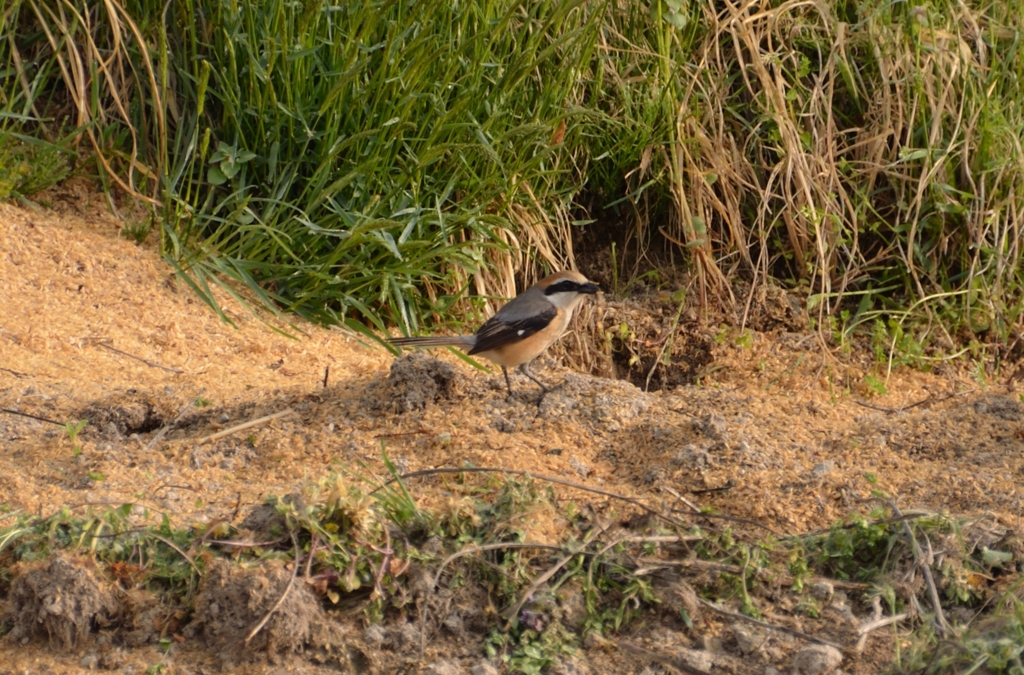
(778, 430)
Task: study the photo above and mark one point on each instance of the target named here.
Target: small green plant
(532, 646)
(875, 385)
(73, 429)
(28, 167)
(857, 549)
(138, 230)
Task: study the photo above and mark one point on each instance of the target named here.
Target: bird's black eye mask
(570, 286)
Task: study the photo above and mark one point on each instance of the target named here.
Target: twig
(327, 373)
(693, 507)
(652, 565)
(669, 338)
(160, 487)
(401, 434)
(151, 364)
(15, 373)
(698, 513)
(245, 425)
(243, 544)
(903, 408)
(678, 664)
(913, 515)
(662, 539)
(287, 589)
(178, 549)
(771, 626)
(34, 417)
(882, 408)
(167, 427)
(312, 551)
(926, 570)
(535, 476)
(512, 612)
(491, 547)
(725, 488)
(878, 621)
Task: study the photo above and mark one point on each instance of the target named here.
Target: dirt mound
(232, 602)
(63, 599)
(125, 414)
(415, 381)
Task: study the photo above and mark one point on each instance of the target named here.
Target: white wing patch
(521, 333)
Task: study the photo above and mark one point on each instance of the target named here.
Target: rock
(571, 665)
(712, 426)
(444, 667)
(375, 634)
(693, 457)
(453, 622)
(822, 469)
(712, 644)
(504, 425)
(483, 668)
(816, 660)
(749, 638)
(696, 658)
(579, 467)
(823, 590)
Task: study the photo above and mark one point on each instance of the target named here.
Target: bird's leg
(525, 370)
(508, 382)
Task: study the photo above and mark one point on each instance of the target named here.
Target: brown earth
(778, 430)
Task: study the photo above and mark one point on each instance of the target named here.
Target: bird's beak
(590, 288)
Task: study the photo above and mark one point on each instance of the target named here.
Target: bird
(523, 328)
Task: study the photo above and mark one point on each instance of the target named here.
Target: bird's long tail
(466, 341)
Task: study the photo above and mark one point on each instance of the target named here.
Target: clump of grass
(374, 159)
(28, 166)
(357, 540)
(371, 165)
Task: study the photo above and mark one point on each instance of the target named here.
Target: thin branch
(34, 417)
(287, 589)
(512, 612)
(771, 626)
(245, 425)
(698, 513)
(878, 621)
(492, 547)
(549, 479)
(903, 408)
(151, 364)
(926, 570)
(676, 663)
(178, 549)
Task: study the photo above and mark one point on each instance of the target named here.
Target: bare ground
(778, 431)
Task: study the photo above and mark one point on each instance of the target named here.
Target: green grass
(375, 163)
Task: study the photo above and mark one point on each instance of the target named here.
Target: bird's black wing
(499, 331)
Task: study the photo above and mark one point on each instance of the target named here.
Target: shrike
(522, 329)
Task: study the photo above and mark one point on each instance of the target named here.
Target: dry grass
(869, 154)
